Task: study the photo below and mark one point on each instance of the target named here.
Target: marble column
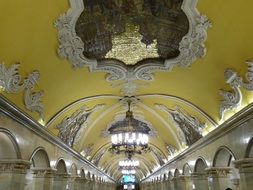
(183, 183)
(219, 178)
(60, 182)
(80, 183)
(170, 184)
(245, 167)
(13, 173)
(43, 179)
(199, 181)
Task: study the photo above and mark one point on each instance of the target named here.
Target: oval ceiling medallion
(131, 31)
(131, 39)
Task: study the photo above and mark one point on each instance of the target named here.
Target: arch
(61, 167)
(170, 175)
(249, 150)
(223, 157)
(176, 173)
(89, 176)
(40, 158)
(187, 170)
(200, 165)
(82, 173)
(73, 170)
(9, 148)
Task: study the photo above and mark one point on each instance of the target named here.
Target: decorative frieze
(221, 172)
(43, 173)
(14, 166)
(11, 82)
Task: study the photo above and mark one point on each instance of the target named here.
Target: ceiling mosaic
(132, 31)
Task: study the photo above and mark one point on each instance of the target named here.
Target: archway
(200, 166)
(224, 157)
(8, 147)
(249, 150)
(61, 167)
(223, 161)
(176, 173)
(40, 167)
(40, 159)
(187, 170)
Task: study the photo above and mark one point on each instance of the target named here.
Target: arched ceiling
(28, 36)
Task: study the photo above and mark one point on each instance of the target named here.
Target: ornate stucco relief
(233, 99)
(191, 48)
(11, 82)
(189, 127)
(87, 150)
(71, 127)
(171, 150)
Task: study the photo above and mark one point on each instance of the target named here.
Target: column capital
(199, 175)
(244, 165)
(219, 171)
(43, 172)
(15, 166)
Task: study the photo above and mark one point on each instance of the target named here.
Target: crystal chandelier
(129, 163)
(129, 136)
(128, 172)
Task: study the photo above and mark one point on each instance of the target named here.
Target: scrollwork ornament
(10, 82)
(71, 47)
(249, 76)
(231, 99)
(192, 45)
(10, 79)
(33, 101)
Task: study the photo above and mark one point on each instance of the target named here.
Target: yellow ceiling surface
(28, 36)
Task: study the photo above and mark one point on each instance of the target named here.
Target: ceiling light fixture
(129, 136)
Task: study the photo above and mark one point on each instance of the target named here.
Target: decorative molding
(231, 100)
(14, 166)
(70, 127)
(159, 157)
(191, 48)
(249, 77)
(218, 171)
(99, 156)
(11, 82)
(171, 149)
(189, 127)
(43, 173)
(16, 114)
(87, 150)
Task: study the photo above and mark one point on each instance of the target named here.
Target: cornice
(18, 115)
(239, 118)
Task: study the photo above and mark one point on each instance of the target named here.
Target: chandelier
(129, 163)
(129, 136)
(128, 172)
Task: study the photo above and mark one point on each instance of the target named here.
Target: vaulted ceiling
(28, 36)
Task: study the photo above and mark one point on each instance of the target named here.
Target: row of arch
(224, 157)
(9, 150)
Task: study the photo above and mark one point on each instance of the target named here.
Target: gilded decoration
(131, 31)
